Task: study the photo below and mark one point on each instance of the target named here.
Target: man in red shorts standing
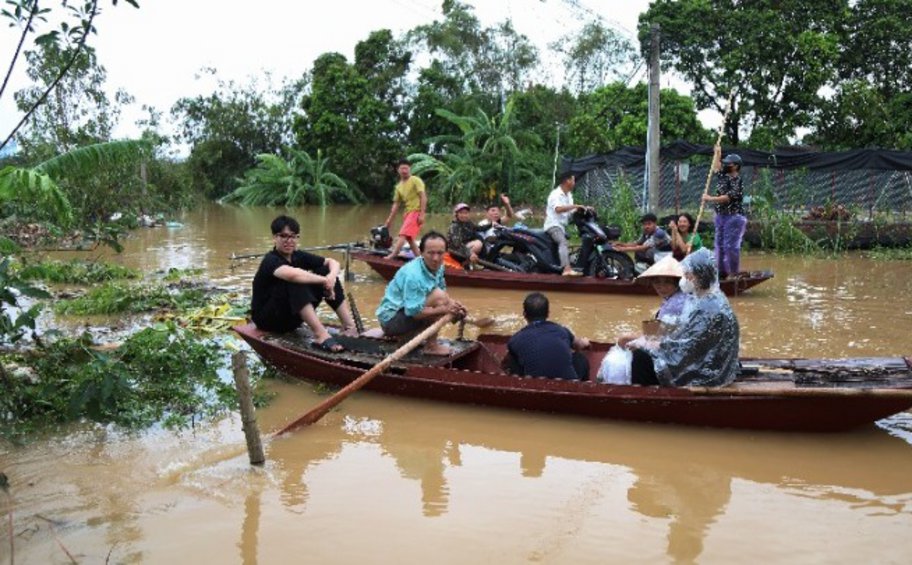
(409, 191)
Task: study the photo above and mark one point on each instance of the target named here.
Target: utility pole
(653, 140)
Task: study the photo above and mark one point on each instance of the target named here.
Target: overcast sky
(155, 52)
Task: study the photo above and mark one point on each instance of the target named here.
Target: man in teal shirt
(416, 297)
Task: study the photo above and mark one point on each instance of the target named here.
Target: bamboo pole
(248, 415)
(709, 175)
(333, 247)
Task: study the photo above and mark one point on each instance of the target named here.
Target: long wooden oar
(898, 393)
(709, 175)
(321, 409)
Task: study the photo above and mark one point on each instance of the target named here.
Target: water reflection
(690, 499)
(680, 481)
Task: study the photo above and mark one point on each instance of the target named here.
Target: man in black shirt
(543, 348)
(290, 284)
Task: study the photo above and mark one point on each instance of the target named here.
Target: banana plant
(294, 181)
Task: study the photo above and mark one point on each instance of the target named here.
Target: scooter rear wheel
(611, 264)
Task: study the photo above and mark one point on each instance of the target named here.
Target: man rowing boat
(416, 297)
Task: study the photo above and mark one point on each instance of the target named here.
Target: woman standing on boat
(730, 220)
(702, 349)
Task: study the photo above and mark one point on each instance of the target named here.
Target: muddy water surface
(386, 480)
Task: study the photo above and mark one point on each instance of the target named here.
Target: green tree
(859, 115)
(775, 55)
(78, 112)
(228, 128)
(354, 112)
(495, 60)
(74, 28)
(878, 46)
(872, 104)
(295, 181)
(594, 56)
(615, 115)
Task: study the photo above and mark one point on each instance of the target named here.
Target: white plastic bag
(615, 368)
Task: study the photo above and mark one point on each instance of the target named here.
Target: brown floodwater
(390, 480)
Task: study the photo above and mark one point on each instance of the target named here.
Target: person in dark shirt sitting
(463, 240)
(543, 348)
(290, 284)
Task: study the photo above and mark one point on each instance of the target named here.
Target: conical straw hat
(667, 267)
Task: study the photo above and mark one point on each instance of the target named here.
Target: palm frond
(91, 158)
(35, 188)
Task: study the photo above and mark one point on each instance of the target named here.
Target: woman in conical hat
(664, 276)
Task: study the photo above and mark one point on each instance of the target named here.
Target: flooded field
(387, 480)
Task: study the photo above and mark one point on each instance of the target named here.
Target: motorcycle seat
(536, 232)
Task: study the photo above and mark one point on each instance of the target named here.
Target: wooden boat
(386, 268)
(771, 394)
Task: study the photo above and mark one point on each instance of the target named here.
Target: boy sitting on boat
(544, 348)
(416, 297)
(653, 245)
(290, 284)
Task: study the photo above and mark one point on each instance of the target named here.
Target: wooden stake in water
(248, 416)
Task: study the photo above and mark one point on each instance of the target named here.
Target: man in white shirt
(557, 216)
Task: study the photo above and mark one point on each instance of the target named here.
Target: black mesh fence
(866, 182)
(864, 192)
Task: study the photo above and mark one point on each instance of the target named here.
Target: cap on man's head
(461, 206)
(564, 176)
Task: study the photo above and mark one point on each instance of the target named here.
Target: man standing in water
(416, 297)
(410, 191)
(290, 284)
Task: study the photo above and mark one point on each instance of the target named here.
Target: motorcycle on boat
(528, 250)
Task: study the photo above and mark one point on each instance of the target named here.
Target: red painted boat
(772, 394)
(386, 268)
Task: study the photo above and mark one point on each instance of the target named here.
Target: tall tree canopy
(594, 56)
(494, 60)
(354, 113)
(775, 54)
(615, 116)
(77, 112)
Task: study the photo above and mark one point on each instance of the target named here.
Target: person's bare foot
(572, 273)
(437, 349)
(389, 257)
(350, 332)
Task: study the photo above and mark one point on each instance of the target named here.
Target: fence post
(248, 416)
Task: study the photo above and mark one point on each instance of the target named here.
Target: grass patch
(76, 272)
(116, 298)
(890, 253)
(176, 275)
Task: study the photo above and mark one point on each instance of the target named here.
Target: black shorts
(400, 324)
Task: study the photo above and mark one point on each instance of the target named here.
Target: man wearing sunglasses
(290, 284)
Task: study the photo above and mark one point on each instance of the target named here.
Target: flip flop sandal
(330, 346)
